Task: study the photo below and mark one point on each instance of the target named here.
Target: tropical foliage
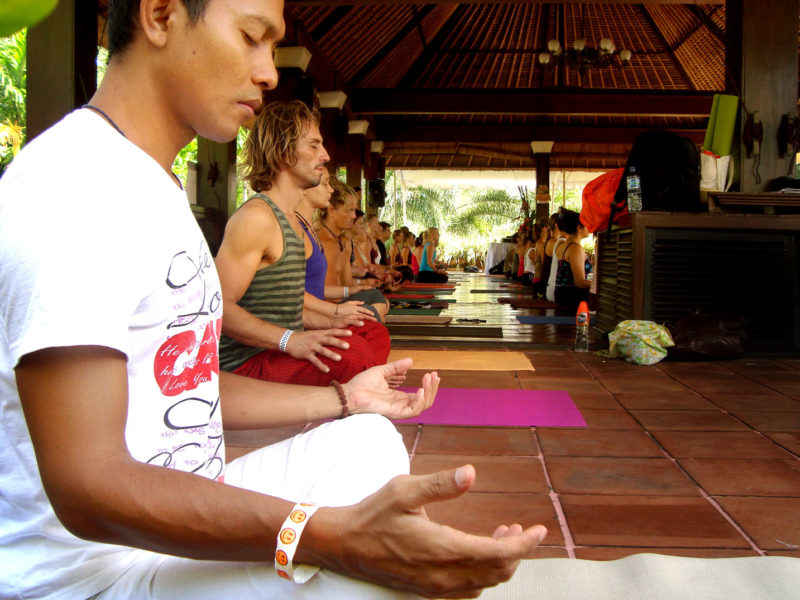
(487, 211)
(12, 96)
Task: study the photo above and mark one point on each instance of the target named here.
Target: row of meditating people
(415, 257)
(293, 309)
(549, 257)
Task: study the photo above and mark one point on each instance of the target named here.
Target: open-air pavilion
(680, 458)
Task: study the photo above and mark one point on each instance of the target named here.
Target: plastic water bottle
(582, 328)
(634, 190)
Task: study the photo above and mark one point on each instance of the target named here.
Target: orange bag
(598, 198)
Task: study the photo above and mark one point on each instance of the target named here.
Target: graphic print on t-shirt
(186, 362)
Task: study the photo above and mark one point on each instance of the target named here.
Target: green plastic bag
(640, 342)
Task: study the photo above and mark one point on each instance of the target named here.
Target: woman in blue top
(429, 272)
(353, 311)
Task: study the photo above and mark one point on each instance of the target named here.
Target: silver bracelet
(346, 292)
(285, 340)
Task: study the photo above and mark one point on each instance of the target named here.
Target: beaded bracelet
(285, 340)
(342, 398)
(288, 539)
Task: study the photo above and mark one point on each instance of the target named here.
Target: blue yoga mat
(548, 320)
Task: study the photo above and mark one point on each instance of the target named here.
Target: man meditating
(321, 298)
(113, 478)
(261, 263)
(336, 220)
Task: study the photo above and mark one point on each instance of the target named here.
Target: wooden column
(62, 67)
(216, 188)
(542, 178)
(331, 125)
(355, 159)
(292, 85)
(761, 54)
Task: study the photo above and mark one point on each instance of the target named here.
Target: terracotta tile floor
(691, 459)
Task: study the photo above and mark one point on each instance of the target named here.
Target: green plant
(13, 91)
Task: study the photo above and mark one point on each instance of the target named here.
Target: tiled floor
(692, 459)
(672, 460)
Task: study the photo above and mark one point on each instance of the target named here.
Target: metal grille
(615, 283)
(738, 274)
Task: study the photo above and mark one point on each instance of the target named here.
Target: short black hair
(123, 19)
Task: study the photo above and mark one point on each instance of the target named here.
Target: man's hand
(388, 539)
(354, 313)
(307, 345)
(373, 391)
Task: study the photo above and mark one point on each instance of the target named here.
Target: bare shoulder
(254, 222)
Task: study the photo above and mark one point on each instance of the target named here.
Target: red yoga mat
(500, 408)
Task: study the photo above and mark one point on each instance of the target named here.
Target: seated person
(261, 263)
(400, 256)
(366, 254)
(334, 222)
(511, 261)
(528, 260)
(540, 269)
(557, 238)
(362, 245)
(429, 269)
(382, 233)
(366, 326)
(572, 286)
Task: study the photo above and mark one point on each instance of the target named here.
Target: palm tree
(419, 207)
(12, 96)
(487, 211)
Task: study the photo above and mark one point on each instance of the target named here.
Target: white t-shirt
(529, 260)
(550, 292)
(98, 246)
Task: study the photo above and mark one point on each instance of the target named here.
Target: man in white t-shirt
(113, 482)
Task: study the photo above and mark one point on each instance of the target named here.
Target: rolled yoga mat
(550, 320)
(500, 408)
(415, 319)
(415, 311)
(448, 331)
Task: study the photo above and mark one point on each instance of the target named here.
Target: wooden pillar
(62, 67)
(329, 126)
(542, 178)
(355, 158)
(761, 55)
(216, 188)
(292, 85)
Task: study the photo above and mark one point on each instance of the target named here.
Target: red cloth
(369, 346)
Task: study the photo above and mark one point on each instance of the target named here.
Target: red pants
(369, 346)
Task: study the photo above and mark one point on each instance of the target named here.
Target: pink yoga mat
(500, 408)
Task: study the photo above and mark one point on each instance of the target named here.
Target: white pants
(335, 464)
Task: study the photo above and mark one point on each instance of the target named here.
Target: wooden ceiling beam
(487, 134)
(520, 102)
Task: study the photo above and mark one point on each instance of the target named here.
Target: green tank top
(275, 294)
